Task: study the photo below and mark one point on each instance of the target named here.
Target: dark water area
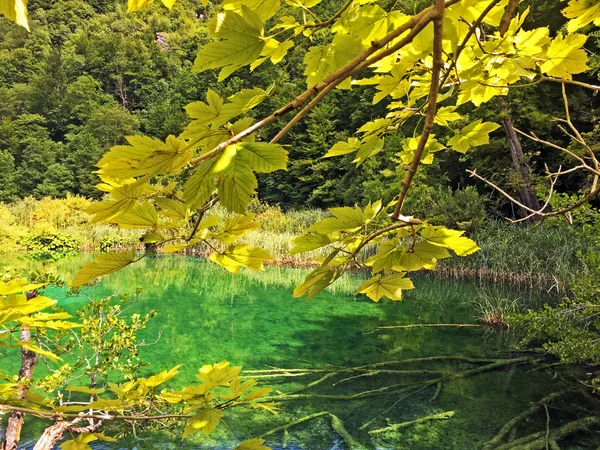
(206, 315)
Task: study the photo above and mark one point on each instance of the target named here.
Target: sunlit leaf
(200, 185)
(236, 185)
(164, 376)
(86, 389)
(264, 9)
(264, 157)
(206, 421)
(234, 227)
(141, 215)
(581, 13)
(423, 256)
(473, 135)
(15, 10)
(17, 285)
(32, 346)
(219, 374)
(343, 148)
(566, 56)
(390, 286)
(238, 256)
(316, 281)
(252, 444)
(242, 42)
(451, 239)
(309, 241)
(103, 265)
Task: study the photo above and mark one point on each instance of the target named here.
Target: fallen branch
(336, 424)
(378, 364)
(387, 390)
(427, 325)
(496, 440)
(538, 441)
(440, 416)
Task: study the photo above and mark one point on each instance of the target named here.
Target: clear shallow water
(206, 316)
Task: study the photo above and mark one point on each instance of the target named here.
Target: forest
(304, 224)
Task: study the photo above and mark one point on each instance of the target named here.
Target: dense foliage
(88, 74)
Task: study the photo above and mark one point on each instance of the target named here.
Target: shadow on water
(206, 315)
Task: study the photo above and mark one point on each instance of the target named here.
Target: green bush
(50, 244)
(112, 241)
(570, 329)
(462, 208)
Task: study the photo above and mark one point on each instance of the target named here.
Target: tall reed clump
(494, 305)
(540, 255)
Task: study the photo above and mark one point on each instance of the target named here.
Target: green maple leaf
(103, 265)
(206, 421)
(264, 157)
(316, 281)
(343, 148)
(566, 56)
(242, 42)
(390, 286)
(199, 187)
(264, 9)
(423, 256)
(252, 444)
(473, 135)
(307, 242)
(237, 183)
(452, 239)
(581, 13)
(141, 215)
(446, 114)
(237, 256)
(235, 226)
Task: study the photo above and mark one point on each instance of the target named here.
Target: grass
(545, 254)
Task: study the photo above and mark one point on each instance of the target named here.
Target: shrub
(44, 244)
(9, 230)
(462, 208)
(61, 213)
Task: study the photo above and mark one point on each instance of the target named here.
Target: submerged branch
(389, 390)
(426, 325)
(336, 423)
(496, 440)
(440, 416)
(538, 441)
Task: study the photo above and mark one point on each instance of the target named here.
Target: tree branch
(337, 76)
(438, 62)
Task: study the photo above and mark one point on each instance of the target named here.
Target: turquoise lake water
(206, 315)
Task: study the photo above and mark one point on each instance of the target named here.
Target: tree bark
(51, 436)
(528, 196)
(54, 433)
(16, 418)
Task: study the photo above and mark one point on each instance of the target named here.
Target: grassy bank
(542, 255)
(545, 255)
